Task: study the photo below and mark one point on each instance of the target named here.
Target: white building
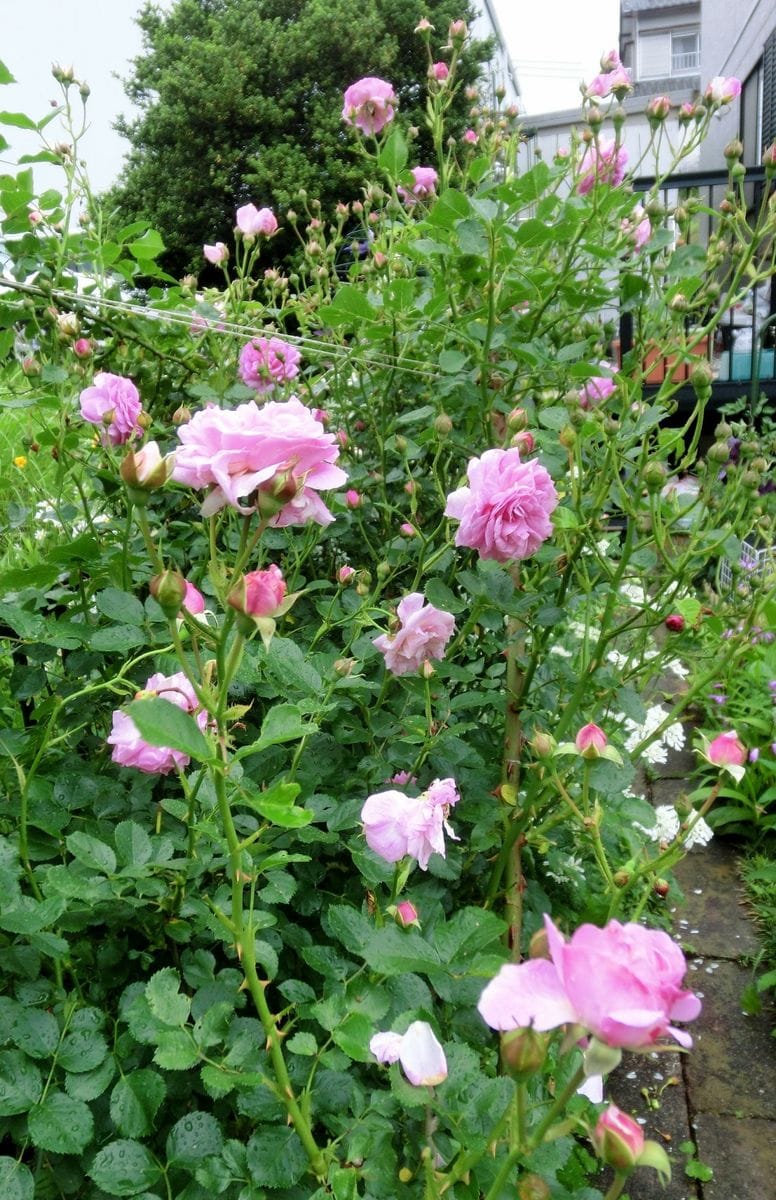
(741, 41)
(500, 72)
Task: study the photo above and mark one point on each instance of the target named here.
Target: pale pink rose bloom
(638, 227)
(440, 71)
(623, 984)
(596, 390)
(268, 362)
(251, 220)
(265, 591)
(618, 1139)
(113, 403)
(193, 600)
(504, 513)
(602, 163)
(369, 104)
(385, 817)
(591, 740)
(420, 1054)
(424, 186)
(610, 61)
(426, 828)
(617, 81)
(216, 254)
(721, 90)
(235, 451)
(727, 749)
(444, 792)
(423, 633)
(130, 750)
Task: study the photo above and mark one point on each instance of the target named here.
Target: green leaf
(196, 1136)
(392, 951)
(439, 594)
(283, 723)
(20, 1083)
(82, 1050)
(353, 1036)
(393, 155)
(61, 1124)
(302, 1043)
(165, 999)
(16, 1181)
(275, 1157)
(121, 607)
(117, 639)
(150, 245)
(35, 1032)
(88, 1085)
(175, 1051)
(133, 844)
(162, 723)
(467, 932)
(349, 307)
(19, 120)
(92, 852)
(5, 74)
(124, 1168)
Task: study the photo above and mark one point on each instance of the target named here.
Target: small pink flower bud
(457, 29)
(470, 137)
(407, 529)
(618, 1139)
(590, 741)
(145, 470)
(352, 498)
(379, 259)
(524, 441)
(675, 622)
(193, 600)
(406, 913)
(82, 348)
(217, 254)
(68, 324)
(659, 108)
(423, 25)
(439, 71)
(259, 593)
(30, 366)
(345, 574)
(342, 438)
(168, 590)
(727, 749)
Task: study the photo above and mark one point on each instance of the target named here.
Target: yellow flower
(20, 461)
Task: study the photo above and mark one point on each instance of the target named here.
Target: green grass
(758, 873)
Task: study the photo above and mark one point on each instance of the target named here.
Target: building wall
(732, 40)
(500, 72)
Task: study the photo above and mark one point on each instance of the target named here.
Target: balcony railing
(682, 63)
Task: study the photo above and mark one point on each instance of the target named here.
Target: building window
(685, 53)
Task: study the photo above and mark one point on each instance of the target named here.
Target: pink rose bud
(610, 61)
(83, 348)
(193, 600)
(687, 112)
(439, 71)
(524, 1052)
(34, 217)
(407, 529)
(145, 469)
(352, 498)
(675, 622)
(217, 254)
(423, 25)
(379, 259)
(342, 438)
(659, 108)
(168, 590)
(251, 220)
(345, 574)
(721, 90)
(727, 749)
(68, 324)
(259, 593)
(618, 1139)
(470, 137)
(420, 1054)
(524, 442)
(591, 741)
(406, 913)
(30, 366)
(769, 157)
(457, 29)
(321, 415)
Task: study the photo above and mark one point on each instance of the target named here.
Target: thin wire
(223, 328)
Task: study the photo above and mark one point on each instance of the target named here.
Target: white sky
(553, 43)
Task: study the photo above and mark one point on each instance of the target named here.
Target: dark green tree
(240, 101)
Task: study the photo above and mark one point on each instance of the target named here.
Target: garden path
(722, 1095)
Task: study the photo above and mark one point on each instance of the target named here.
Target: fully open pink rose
(266, 362)
(251, 221)
(596, 390)
(369, 104)
(423, 633)
(504, 513)
(420, 1054)
(396, 825)
(603, 162)
(236, 451)
(130, 750)
(424, 186)
(113, 403)
(622, 983)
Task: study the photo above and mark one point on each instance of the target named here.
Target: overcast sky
(554, 44)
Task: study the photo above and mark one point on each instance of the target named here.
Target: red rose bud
(259, 593)
(591, 741)
(524, 1052)
(675, 622)
(618, 1139)
(661, 888)
(406, 914)
(169, 591)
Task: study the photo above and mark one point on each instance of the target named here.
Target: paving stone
(713, 922)
(668, 791)
(742, 1154)
(642, 1081)
(731, 1070)
(680, 765)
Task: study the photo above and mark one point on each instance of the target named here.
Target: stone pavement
(722, 1094)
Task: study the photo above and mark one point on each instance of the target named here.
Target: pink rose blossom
(396, 825)
(268, 362)
(504, 513)
(280, 446)
(727, 749)
(617, 82)
(352, 498)
(590, 741)
(251, 220)
(193, 600)
(420, 1054)
(113, 403)
(439, 71)
(423, 633)
(369, 104)
(470, 137)
(345, 574)
(406, 913)
(721, 90)
(618, 1139)
(423, 187)
(610, 61)
(259, 593)
(603, 162)
(596, 390)
(623, 984)
(130, 750)
(217, 254)
(637, 227)
(403, 778)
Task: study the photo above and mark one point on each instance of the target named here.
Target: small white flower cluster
(667, 826)
(671, 738)
(566, 863)
(634, 593)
